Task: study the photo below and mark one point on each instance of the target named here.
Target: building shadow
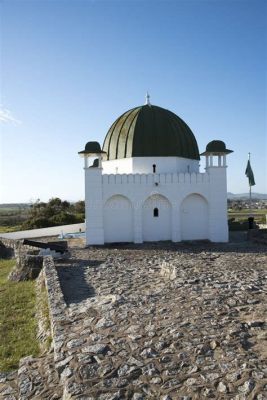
(72, 277)
(237, 243)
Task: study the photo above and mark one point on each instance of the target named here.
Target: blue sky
(69, 68)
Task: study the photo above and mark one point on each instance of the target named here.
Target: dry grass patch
(8, 229)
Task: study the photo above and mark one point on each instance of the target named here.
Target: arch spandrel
(194, 193)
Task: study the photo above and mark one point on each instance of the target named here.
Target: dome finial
(147, 103)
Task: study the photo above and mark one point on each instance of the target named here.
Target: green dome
(216, 147)
(150, 131)
(91, 148)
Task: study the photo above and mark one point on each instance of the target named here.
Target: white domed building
(145, 184)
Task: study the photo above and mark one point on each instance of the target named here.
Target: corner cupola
(93, 149)
(216, 148)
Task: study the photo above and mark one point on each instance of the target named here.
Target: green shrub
(63, 218)
(55, 212)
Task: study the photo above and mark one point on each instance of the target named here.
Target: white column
(224, 160)
(176, 223)
(219, 161)
(211, 161)
(218, 226)
(94, 206)
(85, 161)
(207, 161)
(138, 226)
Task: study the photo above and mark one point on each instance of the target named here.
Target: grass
(12, 217)
(242, 215)
(15, 210)
(17, 319)
(7, 229)
(256, 211)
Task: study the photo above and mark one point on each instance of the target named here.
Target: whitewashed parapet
(164, 178)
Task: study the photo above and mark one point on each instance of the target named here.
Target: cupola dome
(150, 131)
(91, 148)
(216, 147)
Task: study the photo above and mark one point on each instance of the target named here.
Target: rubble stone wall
(16, 245)
(56, 304)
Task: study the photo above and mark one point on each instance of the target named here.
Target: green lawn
(17, 322)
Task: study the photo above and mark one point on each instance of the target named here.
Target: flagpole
(251, 182)
(250, 208)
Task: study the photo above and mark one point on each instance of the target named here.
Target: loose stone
(95, 349)
(222, 388)
(246, 387)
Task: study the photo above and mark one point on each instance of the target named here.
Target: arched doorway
(118, 220)
(194, 218)
(156, 219)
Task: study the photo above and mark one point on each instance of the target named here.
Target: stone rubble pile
(159, 321)
(174, 324)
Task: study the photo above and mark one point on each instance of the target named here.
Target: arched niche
(156, 218)
(118, 220)
(194, 218)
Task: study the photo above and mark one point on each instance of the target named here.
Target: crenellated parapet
(156, 179)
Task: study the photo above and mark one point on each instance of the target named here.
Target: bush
(55, 212)
(80, 218)
(63, 218)
(36, 223)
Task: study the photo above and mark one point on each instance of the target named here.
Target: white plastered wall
(121, 166)
(218, 224)
(156, 218)
(194, 218)
(175, 187)
(118, 220)
(144, 165)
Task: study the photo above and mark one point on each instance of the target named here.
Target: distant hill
(15, 205)
(236, 196)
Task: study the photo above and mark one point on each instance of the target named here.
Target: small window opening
(156, 212)
(154, 168)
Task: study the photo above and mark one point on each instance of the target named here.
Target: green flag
(249, 174)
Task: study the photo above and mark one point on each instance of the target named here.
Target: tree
(55, 212)
(79, 207)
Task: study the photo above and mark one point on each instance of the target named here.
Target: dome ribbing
(150, 131)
